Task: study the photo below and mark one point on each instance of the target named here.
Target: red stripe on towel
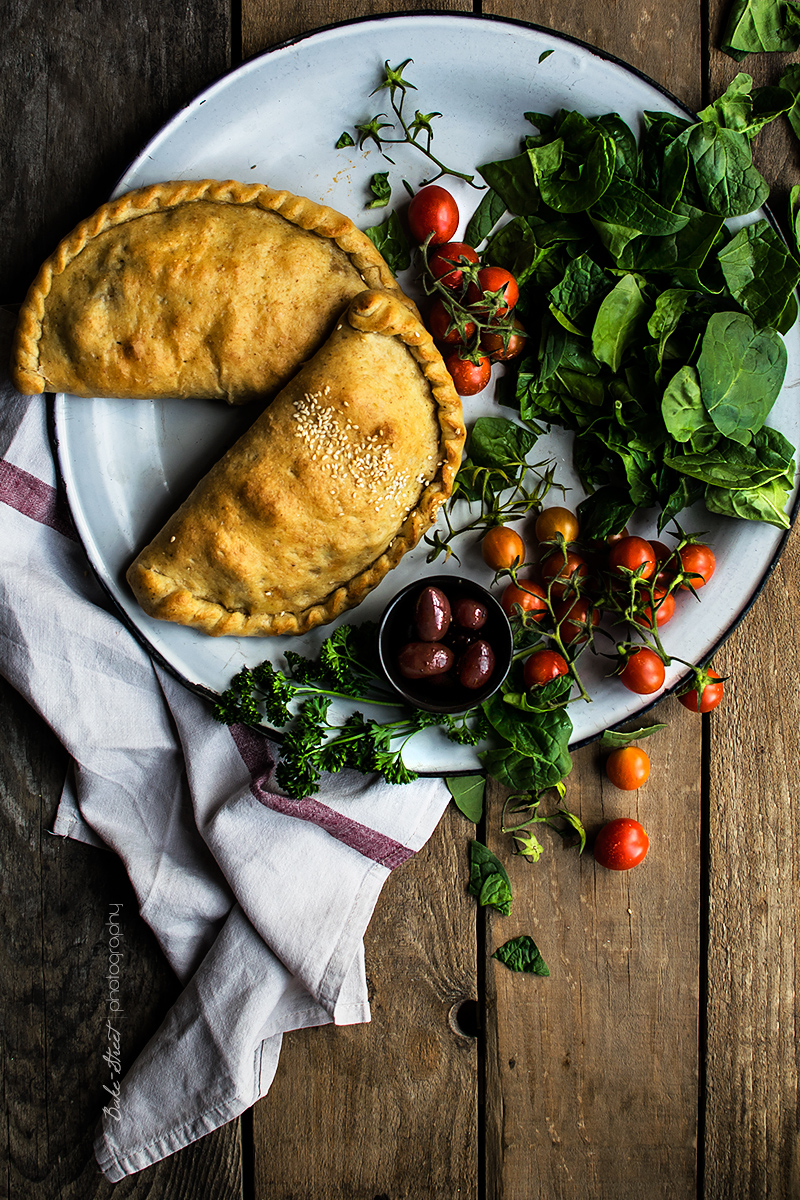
(256, 756)
(33, 498)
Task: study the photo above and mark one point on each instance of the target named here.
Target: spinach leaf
(760, 272)
(605, 512)
(583, 284)
(522, 954)
(729, 184)
(514, 182)
(765, 503)
(536, 755)
(488, 879)
(682, 407)
(761, 25)
(574, 170)
(612, 739)
(618, 321)
(390, 238)
(467, 792)
(489, 211)
(741, 370)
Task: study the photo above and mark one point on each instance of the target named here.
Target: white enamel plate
(127, 464)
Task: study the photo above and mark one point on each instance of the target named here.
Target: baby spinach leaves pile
(530, 755)
(657, 326)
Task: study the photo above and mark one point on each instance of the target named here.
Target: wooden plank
(389, 1108)
(81, 90)
(592, 1072)
(265, 23)
(751, 1136)
(662, 40)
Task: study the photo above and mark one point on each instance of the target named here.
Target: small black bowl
(442, 693)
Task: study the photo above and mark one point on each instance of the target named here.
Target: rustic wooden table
(661, 1057)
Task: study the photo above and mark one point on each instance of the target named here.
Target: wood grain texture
(80, 91)
(662, 40)
(592, 1072)
(752, 1141)
(389, 1108)
(266, 24)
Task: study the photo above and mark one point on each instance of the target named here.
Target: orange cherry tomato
(561, 573)
(631, 554)
(543, 666)
(526, 595)
(574, 619)
(555, 521)
(628, 768)
(699, 562)
(502, 548)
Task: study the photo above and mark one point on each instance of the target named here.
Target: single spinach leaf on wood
(467, 792)
(618, 321)
(741, 371)
(488, 879)
(760, 272)
(522, 954)
(754, 26)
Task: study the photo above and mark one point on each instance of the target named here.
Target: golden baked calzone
(192, 289)
(335, 481)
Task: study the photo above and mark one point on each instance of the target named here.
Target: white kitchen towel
(259, 903)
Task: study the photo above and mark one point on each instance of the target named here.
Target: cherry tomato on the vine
(665, 608)
(502, 547)
(543, 666)
(554, 521)
(699, 562)
(709, 698)
(469, 378)
(643, 672)
(444, 263)
(503, 350)
(621, 844)
(631, 553)
(440, 322)
(527, 595)
(560, 572)
(432, 212)
(494, 279)
(574, 618)
(628, 767)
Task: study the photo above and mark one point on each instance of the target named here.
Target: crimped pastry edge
(158, 197)
(371, 311)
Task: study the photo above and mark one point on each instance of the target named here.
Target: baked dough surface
(191, 289)
(334, 482)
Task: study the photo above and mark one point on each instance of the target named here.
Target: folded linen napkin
(259, 903)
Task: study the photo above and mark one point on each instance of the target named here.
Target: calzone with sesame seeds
(197, 289)
(337, 479)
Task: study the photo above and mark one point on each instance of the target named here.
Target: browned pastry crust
(199, 289)
(335, 481)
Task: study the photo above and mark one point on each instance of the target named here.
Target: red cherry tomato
(543, 666)
(574, 619)
(441, 262)
(631, 553)
(493, 343)
(709, 698)
(432, 213)
(665, 608)
(493, 279)
(528, 596)
(560, 575)
(628, 767)
(469, 378)
(621, 844)
(439, 322)
(643, 672)
(699, 562)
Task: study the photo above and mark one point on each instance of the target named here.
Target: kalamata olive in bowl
(445, 643)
